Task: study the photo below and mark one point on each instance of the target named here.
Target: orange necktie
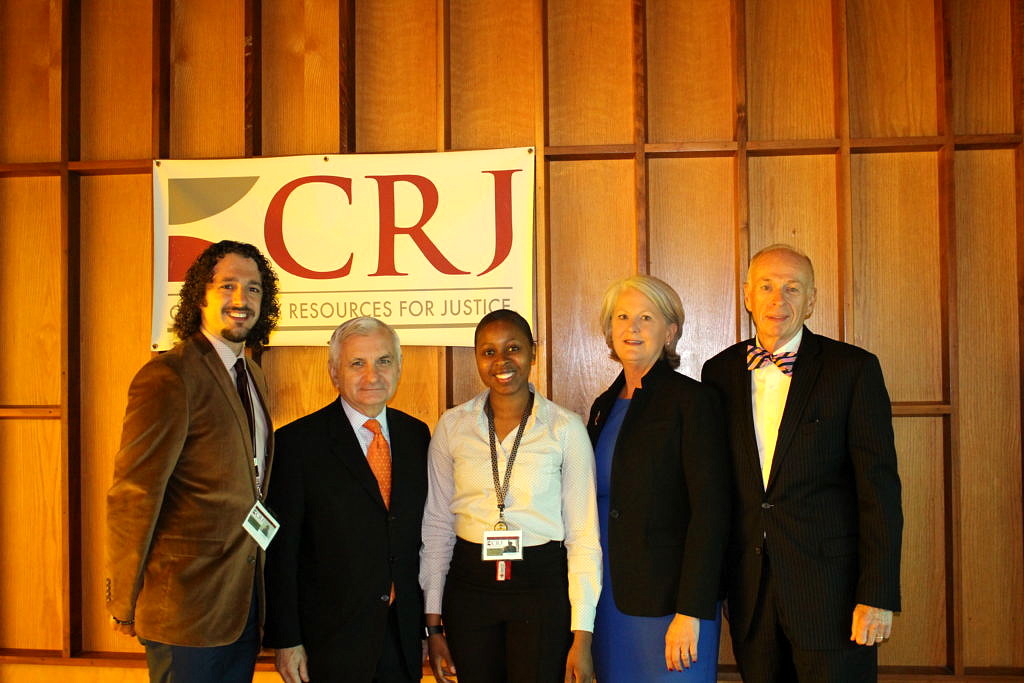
(378, 455)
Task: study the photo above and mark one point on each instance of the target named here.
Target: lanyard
(500, 489)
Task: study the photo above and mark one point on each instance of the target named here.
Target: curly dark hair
(192, 297)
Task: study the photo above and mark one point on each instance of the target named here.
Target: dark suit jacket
(669, 504)
(178, 559)
(831, 520)
(331, 565)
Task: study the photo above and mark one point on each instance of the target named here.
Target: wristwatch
(433, 631)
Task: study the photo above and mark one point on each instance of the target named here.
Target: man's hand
(579, 665)
(290, 662)
(871, 625)
(441, 663)
(681, 642)
(122, 628)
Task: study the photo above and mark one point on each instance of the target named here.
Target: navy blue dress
(627, 648)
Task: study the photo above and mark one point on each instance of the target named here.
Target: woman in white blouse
(511, 475)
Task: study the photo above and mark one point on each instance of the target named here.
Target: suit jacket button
(251, 559)
(766, 506)
(385, 598)
(757, 550)
(614, 514)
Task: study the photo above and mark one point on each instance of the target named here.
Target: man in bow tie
(814, 556)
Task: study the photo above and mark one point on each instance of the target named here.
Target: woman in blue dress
(663, 495)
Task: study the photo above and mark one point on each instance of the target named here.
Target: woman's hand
(681, 642)
(441, 663)
(579, 665)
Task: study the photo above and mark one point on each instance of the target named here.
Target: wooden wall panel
(892, 66)
(988, 504)
(981, 47)
(117, 56)
(790, 70)
(919, 632)
(693, 249)
(31, 537)
(590, 72)
(207, 79)
(298, 381)
(301, 84)
(593, 243)
(690, 68)
(396, 75)
(897, 294)
(116, 276)
(30, 283)
(30, 57)
(793, 200)
(494, 84)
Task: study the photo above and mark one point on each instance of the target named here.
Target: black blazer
(331, 565)
(831, 519)
(669, 506)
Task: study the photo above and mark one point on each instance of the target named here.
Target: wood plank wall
(678, 137)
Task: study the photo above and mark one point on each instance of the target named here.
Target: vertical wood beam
(742, 202)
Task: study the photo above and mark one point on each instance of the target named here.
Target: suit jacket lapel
(741, 389)
(222, 378)
(805, 375)
(345, 446)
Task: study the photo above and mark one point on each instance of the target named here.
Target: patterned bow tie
(758, 357)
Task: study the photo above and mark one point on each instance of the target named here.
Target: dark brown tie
(242, 384)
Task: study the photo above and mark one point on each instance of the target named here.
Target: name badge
(261, 525)
(505, 544)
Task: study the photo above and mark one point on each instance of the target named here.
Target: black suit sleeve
(873, 453)
(286, 500)
(707, 473)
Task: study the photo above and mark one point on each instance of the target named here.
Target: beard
(238, 335)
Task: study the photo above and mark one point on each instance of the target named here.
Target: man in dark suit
(196, 447)
(342, 576)
(814, 557)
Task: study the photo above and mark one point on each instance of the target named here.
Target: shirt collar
(790, 346)
(224, 352)
(357, 419)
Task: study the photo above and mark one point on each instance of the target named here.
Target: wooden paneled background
(677, 137)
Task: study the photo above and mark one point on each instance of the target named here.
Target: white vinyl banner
(428, 243)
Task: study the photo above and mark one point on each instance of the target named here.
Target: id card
(261, 525)
(502, 545)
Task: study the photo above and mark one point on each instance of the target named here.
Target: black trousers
(233, 663)
(767, 655)
(514, 631)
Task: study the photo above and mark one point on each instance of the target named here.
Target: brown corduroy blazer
(178, 560)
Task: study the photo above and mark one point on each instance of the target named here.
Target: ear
(747, 297)
(673, 330)
(812, 298)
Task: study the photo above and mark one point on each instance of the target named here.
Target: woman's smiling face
(504, 356)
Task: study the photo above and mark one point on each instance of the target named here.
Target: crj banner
(426, 242)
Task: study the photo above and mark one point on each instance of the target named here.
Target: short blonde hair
(664, 298)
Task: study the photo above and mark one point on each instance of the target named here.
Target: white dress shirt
(551, 496)
(357, 420)
(260, 427)
(769, 388)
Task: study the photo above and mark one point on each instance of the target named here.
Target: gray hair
(362, 326)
